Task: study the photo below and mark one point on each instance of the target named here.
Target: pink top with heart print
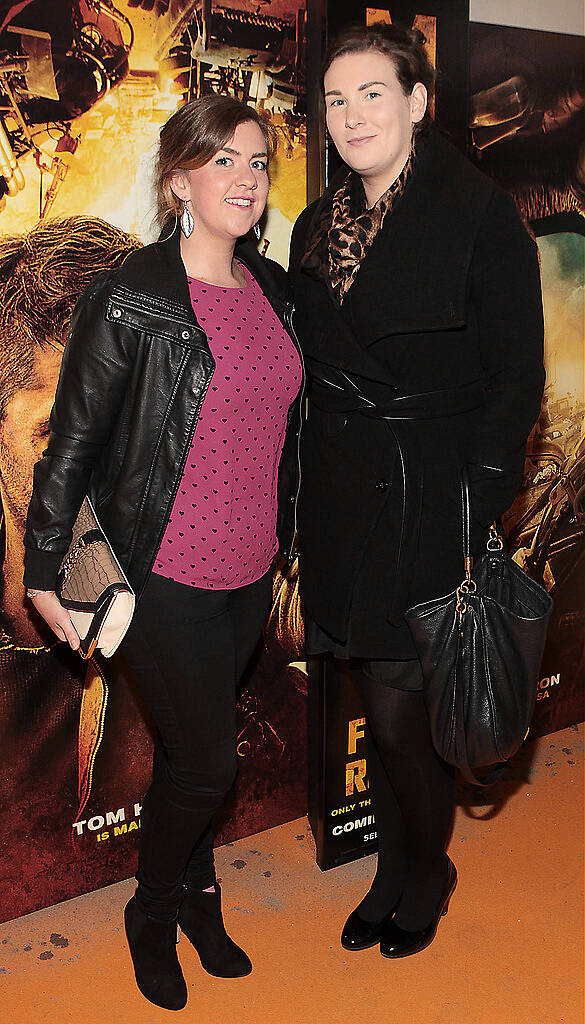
(221, 533)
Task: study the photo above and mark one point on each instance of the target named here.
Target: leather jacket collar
(162, 265)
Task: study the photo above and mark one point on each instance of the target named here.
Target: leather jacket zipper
(181, 467)
(288, 315)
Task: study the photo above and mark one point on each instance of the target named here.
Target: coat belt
(334, 391)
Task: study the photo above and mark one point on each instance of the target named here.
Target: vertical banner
(340, 805)
(85, 86)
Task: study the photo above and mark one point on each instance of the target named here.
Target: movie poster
(526, 131)
(85, 86)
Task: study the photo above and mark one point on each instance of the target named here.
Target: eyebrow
(366, 85)
(228, 149)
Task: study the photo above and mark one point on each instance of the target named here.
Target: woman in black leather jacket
(178, 412)
(418, 307)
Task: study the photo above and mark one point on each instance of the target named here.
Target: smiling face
(228, 194)
(370, 119)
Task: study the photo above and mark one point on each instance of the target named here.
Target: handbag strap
(466, 514)
(462, 758)
(495, 542)
(466, 522)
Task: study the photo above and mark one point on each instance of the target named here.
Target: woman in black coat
(418, 308)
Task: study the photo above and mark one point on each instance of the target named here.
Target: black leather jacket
(134, 375)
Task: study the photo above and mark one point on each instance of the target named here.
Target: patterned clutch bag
(92, 586)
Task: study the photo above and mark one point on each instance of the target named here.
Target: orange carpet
(509, 951)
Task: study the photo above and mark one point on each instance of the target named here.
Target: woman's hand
(55, 615)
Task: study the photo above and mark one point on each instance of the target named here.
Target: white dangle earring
(187, 222)
(257, 232)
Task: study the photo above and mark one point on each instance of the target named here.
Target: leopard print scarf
(341, 239)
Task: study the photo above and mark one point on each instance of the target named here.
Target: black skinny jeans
(188, 649)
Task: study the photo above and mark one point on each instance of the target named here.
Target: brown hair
(404, 47)
(42, 274)
(193, 135)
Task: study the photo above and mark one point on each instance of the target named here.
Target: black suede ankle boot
(201, 920)
(153, 947)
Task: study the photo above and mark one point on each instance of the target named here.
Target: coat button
(185, 335)
(117, 313)
(381, 485)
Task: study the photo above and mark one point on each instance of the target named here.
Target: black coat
(134, 376)
(446, 305)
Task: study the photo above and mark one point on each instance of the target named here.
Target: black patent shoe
(201, 919)
(396, 941)
(153, 947)
(360, 934)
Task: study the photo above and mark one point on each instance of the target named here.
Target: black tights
(413, 795)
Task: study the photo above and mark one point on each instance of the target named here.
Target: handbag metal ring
(495, 542)
(461, 606)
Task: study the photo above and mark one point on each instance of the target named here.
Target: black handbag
(480, 648)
